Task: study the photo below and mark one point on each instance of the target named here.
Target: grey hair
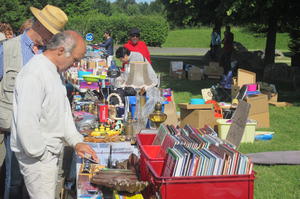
(62, 39)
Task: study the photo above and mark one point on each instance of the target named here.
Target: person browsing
(14, 54)
(42, 120)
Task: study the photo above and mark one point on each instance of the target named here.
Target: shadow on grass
(161, 64)
(287, 54)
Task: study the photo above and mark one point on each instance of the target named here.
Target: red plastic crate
(204, 187)
(144, 139)
(151, 153)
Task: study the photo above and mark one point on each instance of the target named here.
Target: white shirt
(42, 117)
(136, 57)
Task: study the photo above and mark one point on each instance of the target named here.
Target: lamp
(141, 75)
(158, 117)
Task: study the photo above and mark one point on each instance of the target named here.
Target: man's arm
(106, 43)
(72, 136)
(29, 109)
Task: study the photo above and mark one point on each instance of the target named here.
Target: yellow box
(249, 132)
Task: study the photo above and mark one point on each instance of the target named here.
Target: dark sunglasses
(135, 35)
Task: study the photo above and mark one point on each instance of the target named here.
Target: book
(160, 136)
(170, 164)
(168, 142)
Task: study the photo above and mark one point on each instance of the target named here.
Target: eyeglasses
(135, 35)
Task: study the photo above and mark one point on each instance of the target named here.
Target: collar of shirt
(27, 41)
(52, 67)
(131, 43)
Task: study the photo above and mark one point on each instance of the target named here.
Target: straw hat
(52, 18)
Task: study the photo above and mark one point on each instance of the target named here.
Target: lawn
(200, 38)
(282, 182)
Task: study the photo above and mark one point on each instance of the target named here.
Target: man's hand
(82, 148)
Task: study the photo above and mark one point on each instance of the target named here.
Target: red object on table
(218, 110)
(169, 98)
(103, 112)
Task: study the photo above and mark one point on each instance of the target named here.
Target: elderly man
(42, 118)
(14, 54)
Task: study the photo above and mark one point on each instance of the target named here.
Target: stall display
(111, 107)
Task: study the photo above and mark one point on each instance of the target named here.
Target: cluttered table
(177, 159)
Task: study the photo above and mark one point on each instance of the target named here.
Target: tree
(12, 12)
(194, 12)
(271, 13)
(133, 9)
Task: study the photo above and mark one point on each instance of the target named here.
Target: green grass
(200, 38)
(272, 182)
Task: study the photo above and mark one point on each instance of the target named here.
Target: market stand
(111, 123)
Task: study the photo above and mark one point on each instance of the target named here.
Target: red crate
(204, 187)
(144, 139)
(151, 153)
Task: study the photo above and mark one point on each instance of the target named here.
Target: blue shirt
(27, 51)
(215, 39)
(109, 46)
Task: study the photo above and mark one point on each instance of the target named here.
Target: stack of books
(199, 152)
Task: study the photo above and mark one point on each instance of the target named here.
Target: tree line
(268, 16)
(16, 12)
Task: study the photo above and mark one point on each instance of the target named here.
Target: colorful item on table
(93, 78)
(81, 73)
(136, 196)
(197, 101)
(251, 87)
(218, 110)
(103, 112)
(167, 92)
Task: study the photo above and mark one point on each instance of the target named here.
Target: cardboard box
(91, 65)
(197, 115)
(263, 119)
(273, 97)
(170, 110)
(259, 110)
(245, 77)
(213, 70)
(178, 74)
(195, 73)
(259, 104)
(176, 70)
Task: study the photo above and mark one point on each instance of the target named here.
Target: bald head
(68, 47)
(68, 39)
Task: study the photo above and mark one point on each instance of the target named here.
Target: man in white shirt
(42, 118)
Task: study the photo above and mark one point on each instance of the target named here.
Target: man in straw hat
(14, 54)
(42, 120)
